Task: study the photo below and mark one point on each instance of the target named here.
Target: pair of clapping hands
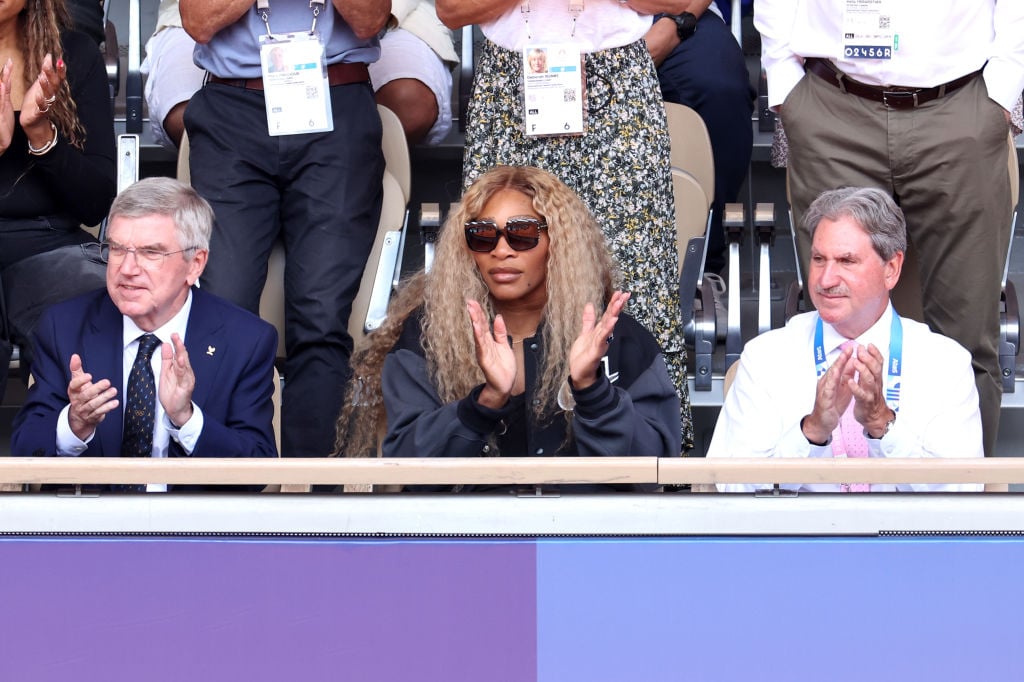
(34, 107)
(92, 401)
(855, 375)
(497, 360)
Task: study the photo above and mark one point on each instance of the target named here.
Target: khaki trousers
(945, 164)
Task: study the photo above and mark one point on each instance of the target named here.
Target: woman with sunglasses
(514, 344)
(596, 120)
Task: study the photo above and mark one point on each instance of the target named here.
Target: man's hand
(831, 399)
(494, 355)
(869, 406)
(177, 381)
(90, 402)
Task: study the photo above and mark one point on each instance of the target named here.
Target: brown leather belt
(893, 96)
(337, 74)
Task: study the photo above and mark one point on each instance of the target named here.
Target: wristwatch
(686, 24)
(885, 429)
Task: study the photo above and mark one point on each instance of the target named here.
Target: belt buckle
(898, 99)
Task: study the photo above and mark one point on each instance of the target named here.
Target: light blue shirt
(234, 52)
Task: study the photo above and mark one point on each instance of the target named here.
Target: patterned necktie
(848, 439)
(140, 402)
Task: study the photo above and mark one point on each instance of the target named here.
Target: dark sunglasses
(521, 233)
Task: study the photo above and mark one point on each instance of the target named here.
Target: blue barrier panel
(517, 610)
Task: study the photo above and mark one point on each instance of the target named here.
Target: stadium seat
(693, 187)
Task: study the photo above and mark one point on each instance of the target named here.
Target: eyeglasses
(521, 233)
(145, 257)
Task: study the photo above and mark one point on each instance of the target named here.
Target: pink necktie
(848, 439)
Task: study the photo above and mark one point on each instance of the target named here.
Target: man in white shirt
(913, 97)
(909, 392)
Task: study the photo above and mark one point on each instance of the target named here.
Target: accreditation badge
(295, 86)
(868, 31)
(553, 89)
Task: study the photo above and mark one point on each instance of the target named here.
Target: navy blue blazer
(232, 355)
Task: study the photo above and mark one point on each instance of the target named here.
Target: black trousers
(321, 194)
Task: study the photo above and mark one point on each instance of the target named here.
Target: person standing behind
(150, 366)
(413, 76)
(295, 155)
(913, 97)
(701, 65)
(606, 138)
(853, 379)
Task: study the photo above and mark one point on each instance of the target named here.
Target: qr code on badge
(883, 21)
(568, 95)
(311, 91)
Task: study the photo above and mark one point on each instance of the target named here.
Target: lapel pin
(210, 350)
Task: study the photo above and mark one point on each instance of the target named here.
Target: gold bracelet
(46, 147)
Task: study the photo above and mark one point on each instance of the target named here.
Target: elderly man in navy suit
(207, 388)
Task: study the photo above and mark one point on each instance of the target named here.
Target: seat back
(693, 176)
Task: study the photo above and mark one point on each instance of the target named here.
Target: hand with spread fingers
(592, 343)
(495, 356)
(177, 381)
(869, 406)
(90, 402)
(40, 96)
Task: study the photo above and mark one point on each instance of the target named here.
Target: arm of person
(458, 13)
(641, 420)
(86, 177)
(938, 419)
(366, 18)
(658, 6)
(1004, 72)
(760, 417)
(774, 20)
(202, 19)
(243, 425)
(662, 38)
(420, 425)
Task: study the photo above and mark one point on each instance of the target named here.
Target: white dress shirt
(775, 388)
(939, 41)
(68, 444)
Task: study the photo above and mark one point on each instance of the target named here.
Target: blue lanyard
(895, 368)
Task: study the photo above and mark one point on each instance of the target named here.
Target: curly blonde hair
(579, 270)
(41, 23)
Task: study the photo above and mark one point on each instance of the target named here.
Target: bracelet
(46, 147)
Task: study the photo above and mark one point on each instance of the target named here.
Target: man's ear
(197, 265)
(893, 267)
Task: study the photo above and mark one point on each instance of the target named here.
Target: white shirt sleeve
(68, 444)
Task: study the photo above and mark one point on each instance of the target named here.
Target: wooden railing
(503, 471)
